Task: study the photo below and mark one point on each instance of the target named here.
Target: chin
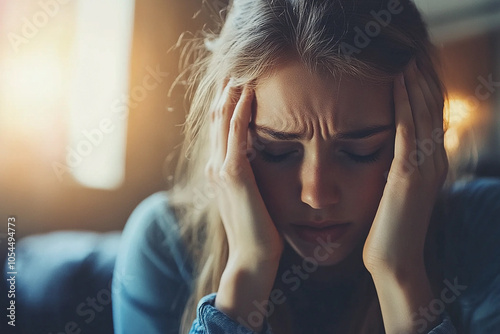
(325, 253)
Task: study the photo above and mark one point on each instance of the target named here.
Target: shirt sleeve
(445, 327)
(151, 279)
(209, 320)
(472, 259)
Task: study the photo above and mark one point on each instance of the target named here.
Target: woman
(309, 197)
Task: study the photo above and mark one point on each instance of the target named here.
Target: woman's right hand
(255, 245)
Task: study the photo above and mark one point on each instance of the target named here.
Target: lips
(327, 231)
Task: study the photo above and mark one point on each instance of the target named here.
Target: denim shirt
(153, 274)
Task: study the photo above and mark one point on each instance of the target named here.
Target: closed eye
(364, 158)
(275, 158)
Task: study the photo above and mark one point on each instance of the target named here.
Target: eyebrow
(355, 134)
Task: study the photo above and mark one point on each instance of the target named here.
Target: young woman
(309, 195)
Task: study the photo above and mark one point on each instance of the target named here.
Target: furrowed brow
(348, 135)
(275, 134)
(364, 133)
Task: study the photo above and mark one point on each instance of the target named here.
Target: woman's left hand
(396, 239)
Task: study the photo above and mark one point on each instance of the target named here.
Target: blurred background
(88, 130)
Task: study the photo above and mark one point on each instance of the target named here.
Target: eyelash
(268, 157)
(366, 159)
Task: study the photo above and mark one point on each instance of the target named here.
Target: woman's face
(323, 148)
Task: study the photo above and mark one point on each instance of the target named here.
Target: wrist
(249, 257)
(245, 286)
(399, 271)
(403, 293)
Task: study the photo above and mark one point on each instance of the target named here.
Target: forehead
(292, 96)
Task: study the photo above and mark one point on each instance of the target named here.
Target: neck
(349, 268)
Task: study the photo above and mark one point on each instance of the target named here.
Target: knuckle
(407, 133)
(231, 172)
(234, 124)
(225, 109)
(224, 175)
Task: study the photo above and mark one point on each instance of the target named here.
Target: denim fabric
(211, 320)
(152, 278)
(445, 327)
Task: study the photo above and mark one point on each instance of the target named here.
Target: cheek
(274, 186)
(366, 189)
(369, 192)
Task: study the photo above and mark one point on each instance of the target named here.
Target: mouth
(315, 232)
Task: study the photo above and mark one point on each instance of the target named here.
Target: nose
(319, 184)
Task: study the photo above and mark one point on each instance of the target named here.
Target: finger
(239, 127)
(420, 110)
(434, 85)
(427, 94)
(405, 130)
(226, 111)
(214, 130)
(437, 96)
(214, 124)
(436, 112)
(423, 157)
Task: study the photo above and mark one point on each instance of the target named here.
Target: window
(64, 86)
(98, 100)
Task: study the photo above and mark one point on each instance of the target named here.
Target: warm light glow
(31, 87)
(451, 140)
(64, 72)
(458, 111)
(96, 153)
(34, 80)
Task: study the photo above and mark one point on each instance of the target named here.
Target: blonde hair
(256, 36)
